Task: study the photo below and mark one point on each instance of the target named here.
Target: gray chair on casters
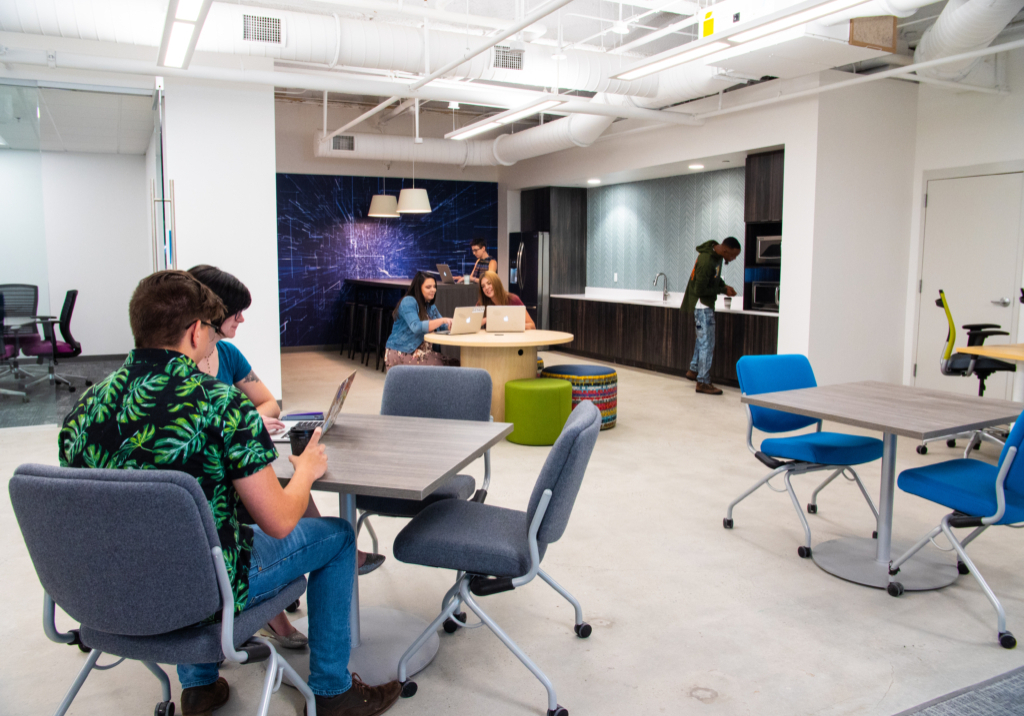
(495, 549)
(133, 555)
(432, 392)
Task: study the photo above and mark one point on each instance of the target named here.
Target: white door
(971, 252)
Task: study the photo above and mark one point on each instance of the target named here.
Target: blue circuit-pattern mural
(325, 237)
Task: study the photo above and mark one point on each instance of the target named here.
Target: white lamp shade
(413, 201)
(383, 206)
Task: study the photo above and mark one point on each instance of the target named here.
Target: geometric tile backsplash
(641, 228)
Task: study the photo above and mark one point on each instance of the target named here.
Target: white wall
(219, 152)
(861, 218)
(97, 241)
(22, 227)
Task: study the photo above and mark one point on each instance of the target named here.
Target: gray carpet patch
(999, 696)
(48, 405)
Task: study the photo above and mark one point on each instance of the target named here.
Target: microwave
(769, 250)
(764, 295)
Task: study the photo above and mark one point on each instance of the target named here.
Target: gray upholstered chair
(495, 549)
(444, 393)
(133, 555)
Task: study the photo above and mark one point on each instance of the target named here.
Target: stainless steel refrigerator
(529, 272)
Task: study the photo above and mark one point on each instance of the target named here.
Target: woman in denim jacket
(415, 316)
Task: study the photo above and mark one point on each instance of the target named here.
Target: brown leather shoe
(690, 375)
(360, 700)
(204, 700)
(708, 389)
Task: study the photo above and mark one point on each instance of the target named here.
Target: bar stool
(348, 318)
(372, 338)
(359, 330)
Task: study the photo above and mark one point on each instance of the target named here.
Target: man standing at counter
(701, 293)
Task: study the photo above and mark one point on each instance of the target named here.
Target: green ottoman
(538, 408)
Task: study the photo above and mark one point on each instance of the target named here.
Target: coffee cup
(299, 439)
(465, 279)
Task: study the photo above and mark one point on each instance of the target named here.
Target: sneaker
(360, 700)
(691, 375)
(295, 640)
(204, 700)
(372, 562)
(708, 389)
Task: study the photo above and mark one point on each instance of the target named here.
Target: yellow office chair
(963, 365)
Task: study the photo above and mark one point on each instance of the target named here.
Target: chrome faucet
(664, 292)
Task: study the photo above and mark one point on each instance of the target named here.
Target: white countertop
(654, 298)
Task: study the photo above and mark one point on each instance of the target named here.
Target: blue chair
(980, 495)
(796, 454)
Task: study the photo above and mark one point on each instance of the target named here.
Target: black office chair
(965, 365)
(9, 361)
(50, 349)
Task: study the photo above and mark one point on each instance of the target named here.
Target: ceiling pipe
(877, 8)
(963, 26)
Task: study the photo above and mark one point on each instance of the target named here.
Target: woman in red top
(493, 293)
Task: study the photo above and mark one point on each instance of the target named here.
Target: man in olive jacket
(701, 293)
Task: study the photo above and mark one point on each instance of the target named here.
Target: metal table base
(854, 559)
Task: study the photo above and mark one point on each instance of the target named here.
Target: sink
(652, 302)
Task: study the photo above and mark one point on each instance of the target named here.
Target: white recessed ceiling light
(620, 28)
(696, 166)
(593, 181)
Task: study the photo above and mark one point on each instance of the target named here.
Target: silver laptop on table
(329, 420)
(506, 319)
(446, 273)
(467, 319)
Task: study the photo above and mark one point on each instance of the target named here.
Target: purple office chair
(51, 349)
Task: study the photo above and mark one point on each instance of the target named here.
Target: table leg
(503, 365)
(347, 510)
(865, 560)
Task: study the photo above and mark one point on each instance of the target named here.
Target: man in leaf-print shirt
(159, 411)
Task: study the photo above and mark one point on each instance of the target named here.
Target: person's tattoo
(251, 378)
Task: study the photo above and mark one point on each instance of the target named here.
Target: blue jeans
(323, 547)
(704, 351)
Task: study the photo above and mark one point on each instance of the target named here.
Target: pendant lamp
(414, 201)
(383, 206)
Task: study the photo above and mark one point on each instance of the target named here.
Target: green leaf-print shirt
(158, 411)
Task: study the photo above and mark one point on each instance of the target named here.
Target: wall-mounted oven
(764, 296)
(769, 250)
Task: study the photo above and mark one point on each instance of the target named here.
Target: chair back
(70, 298)
(445, 393)
(21, 300)
(1015, 478)
(771, 373)
(563, 470)
(121, 551)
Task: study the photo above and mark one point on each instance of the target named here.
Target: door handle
(519, 265)
(1004, 302)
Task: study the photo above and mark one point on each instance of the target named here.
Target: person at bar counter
(484, 262)
(416, 316)
(702, 291)
(493, 293)
(159, 411)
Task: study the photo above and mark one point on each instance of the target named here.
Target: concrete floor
(688, 618)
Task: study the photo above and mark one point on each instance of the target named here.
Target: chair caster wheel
(164, 708)
(874, 534)
(293, 607)
(582, 630)
(812, 509)
(558, 711)
(727, 523)
(408, 689)
(450, 626)
(1006, 640)
(88, 383)
(895, 589)
(922, 449)
(72, 389)
(951, 443)
(962, 568)
(804, 552)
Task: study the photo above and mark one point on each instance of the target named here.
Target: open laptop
(506, 319)
(446, 273)
(467, 319)
(327, 423)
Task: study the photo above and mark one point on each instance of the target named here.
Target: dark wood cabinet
(659, 339)
(561, 211)
(763, 197)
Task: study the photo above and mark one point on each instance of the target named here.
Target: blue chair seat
(966, 486)
(824, 448)
(460, 487)
(469, 536)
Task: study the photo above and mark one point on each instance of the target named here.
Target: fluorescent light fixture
(506, 117)
(593, 181)
(413, 201)
(383, 206)
(3, 142)
(696, 166)
(799, 18)
(678, 59)
(182, 26)
(516, 115)
(472, 130)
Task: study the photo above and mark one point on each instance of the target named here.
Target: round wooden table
(506, 356)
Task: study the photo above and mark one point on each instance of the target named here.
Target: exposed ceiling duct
(963, 26)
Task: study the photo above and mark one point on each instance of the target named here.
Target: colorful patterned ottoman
(597, 383)
(540, 366)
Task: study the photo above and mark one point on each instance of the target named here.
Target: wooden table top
(483, 339)
(1011, 352)
(391, 456)
(912, 412)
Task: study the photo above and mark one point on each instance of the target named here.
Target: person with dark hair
(415, 316)
(702, 291)
(484, 262)
(159, 411)
(493, 293)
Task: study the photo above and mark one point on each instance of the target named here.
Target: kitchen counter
(675, 300)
